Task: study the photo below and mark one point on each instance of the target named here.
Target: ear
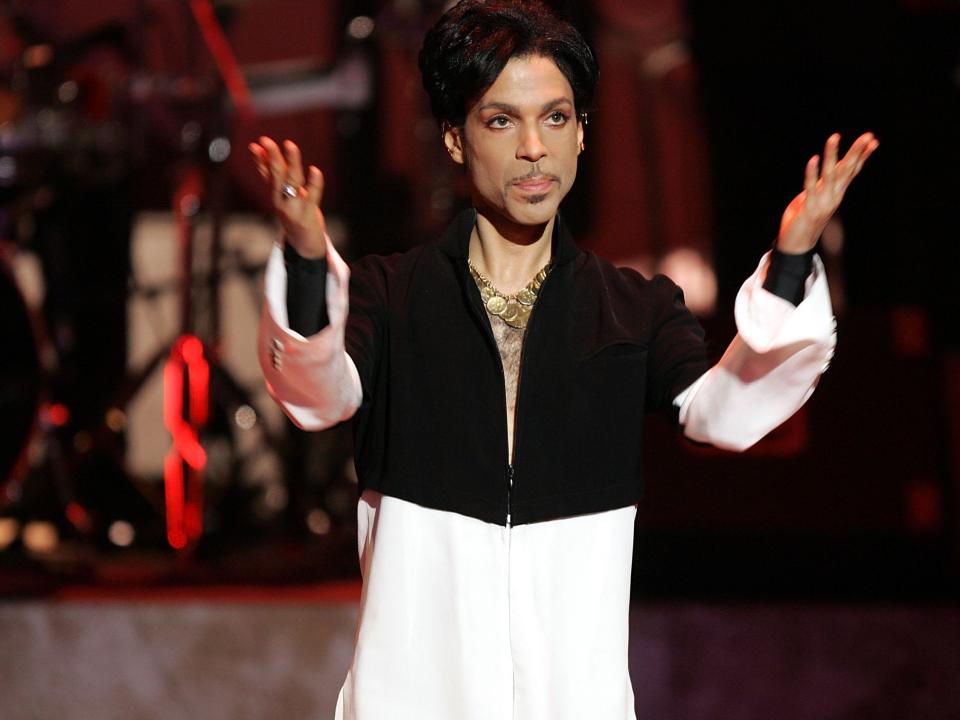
(580, 124)
(453, 139)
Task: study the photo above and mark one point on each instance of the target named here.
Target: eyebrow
(513, 109)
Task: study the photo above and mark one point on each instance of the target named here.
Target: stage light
(79, 517)
(116, 419)
(40, 537)
(68, 92)
(693, 273)
(36, 56)
(58, 414)
(318, 521)
(186, 460)
(219, 149)
(9, 529)
(121, 533)
(245, 417)
(361, 27)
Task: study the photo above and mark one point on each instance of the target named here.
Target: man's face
(520, 142)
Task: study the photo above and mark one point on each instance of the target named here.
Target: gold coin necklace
(513, 309)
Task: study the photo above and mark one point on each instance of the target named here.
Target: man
(498, 381)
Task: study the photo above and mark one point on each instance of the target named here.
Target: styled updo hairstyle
(465, 52)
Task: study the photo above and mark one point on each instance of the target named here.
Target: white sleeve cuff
(770, 368)
(313, 379)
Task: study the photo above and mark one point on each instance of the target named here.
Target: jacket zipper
(511, 460)
(509, 482)
(516, 413)
(481, 312)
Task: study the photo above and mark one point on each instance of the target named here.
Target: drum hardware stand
(193, 376)
(191, 366)
(196, 384)
(195, 381)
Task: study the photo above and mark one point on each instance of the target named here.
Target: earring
(582, 146)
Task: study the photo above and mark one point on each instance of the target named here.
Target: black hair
(465, 52)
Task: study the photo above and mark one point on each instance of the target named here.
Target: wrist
(306, 251)
(787, 274)
(788, 247)
(294, 258)
(312, 248)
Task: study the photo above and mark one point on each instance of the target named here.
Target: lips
(535, 185)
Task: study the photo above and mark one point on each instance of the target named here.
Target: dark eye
(500, 121)
(557, 118)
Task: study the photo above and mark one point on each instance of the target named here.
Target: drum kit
(55, 125)
(72, 115)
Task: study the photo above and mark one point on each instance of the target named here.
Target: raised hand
(296, 203)
(807, 214)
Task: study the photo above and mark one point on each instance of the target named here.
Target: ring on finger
(289, 190)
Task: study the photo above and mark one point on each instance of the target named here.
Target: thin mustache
(534, 174)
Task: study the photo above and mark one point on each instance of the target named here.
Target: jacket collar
(455, 241)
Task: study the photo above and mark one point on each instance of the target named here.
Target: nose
(531, 146)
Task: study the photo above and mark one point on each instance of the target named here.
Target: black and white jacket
(409, 353)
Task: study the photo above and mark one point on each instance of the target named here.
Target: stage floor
(262, 652)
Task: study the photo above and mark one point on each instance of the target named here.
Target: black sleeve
(368, 312)
(306, 292)
(677, 354)
(787, 274)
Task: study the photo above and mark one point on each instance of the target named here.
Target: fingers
(276, 163)
(862, 148)
(314, 185)
(868, 143)
(279, 165)
(870, 149)
(830, 156)
(294, 164)
(837, 175)
(810, 175)
(260, 160)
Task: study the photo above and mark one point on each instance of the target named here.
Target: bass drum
(19, 378)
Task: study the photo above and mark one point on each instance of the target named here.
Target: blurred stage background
(816, 576)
